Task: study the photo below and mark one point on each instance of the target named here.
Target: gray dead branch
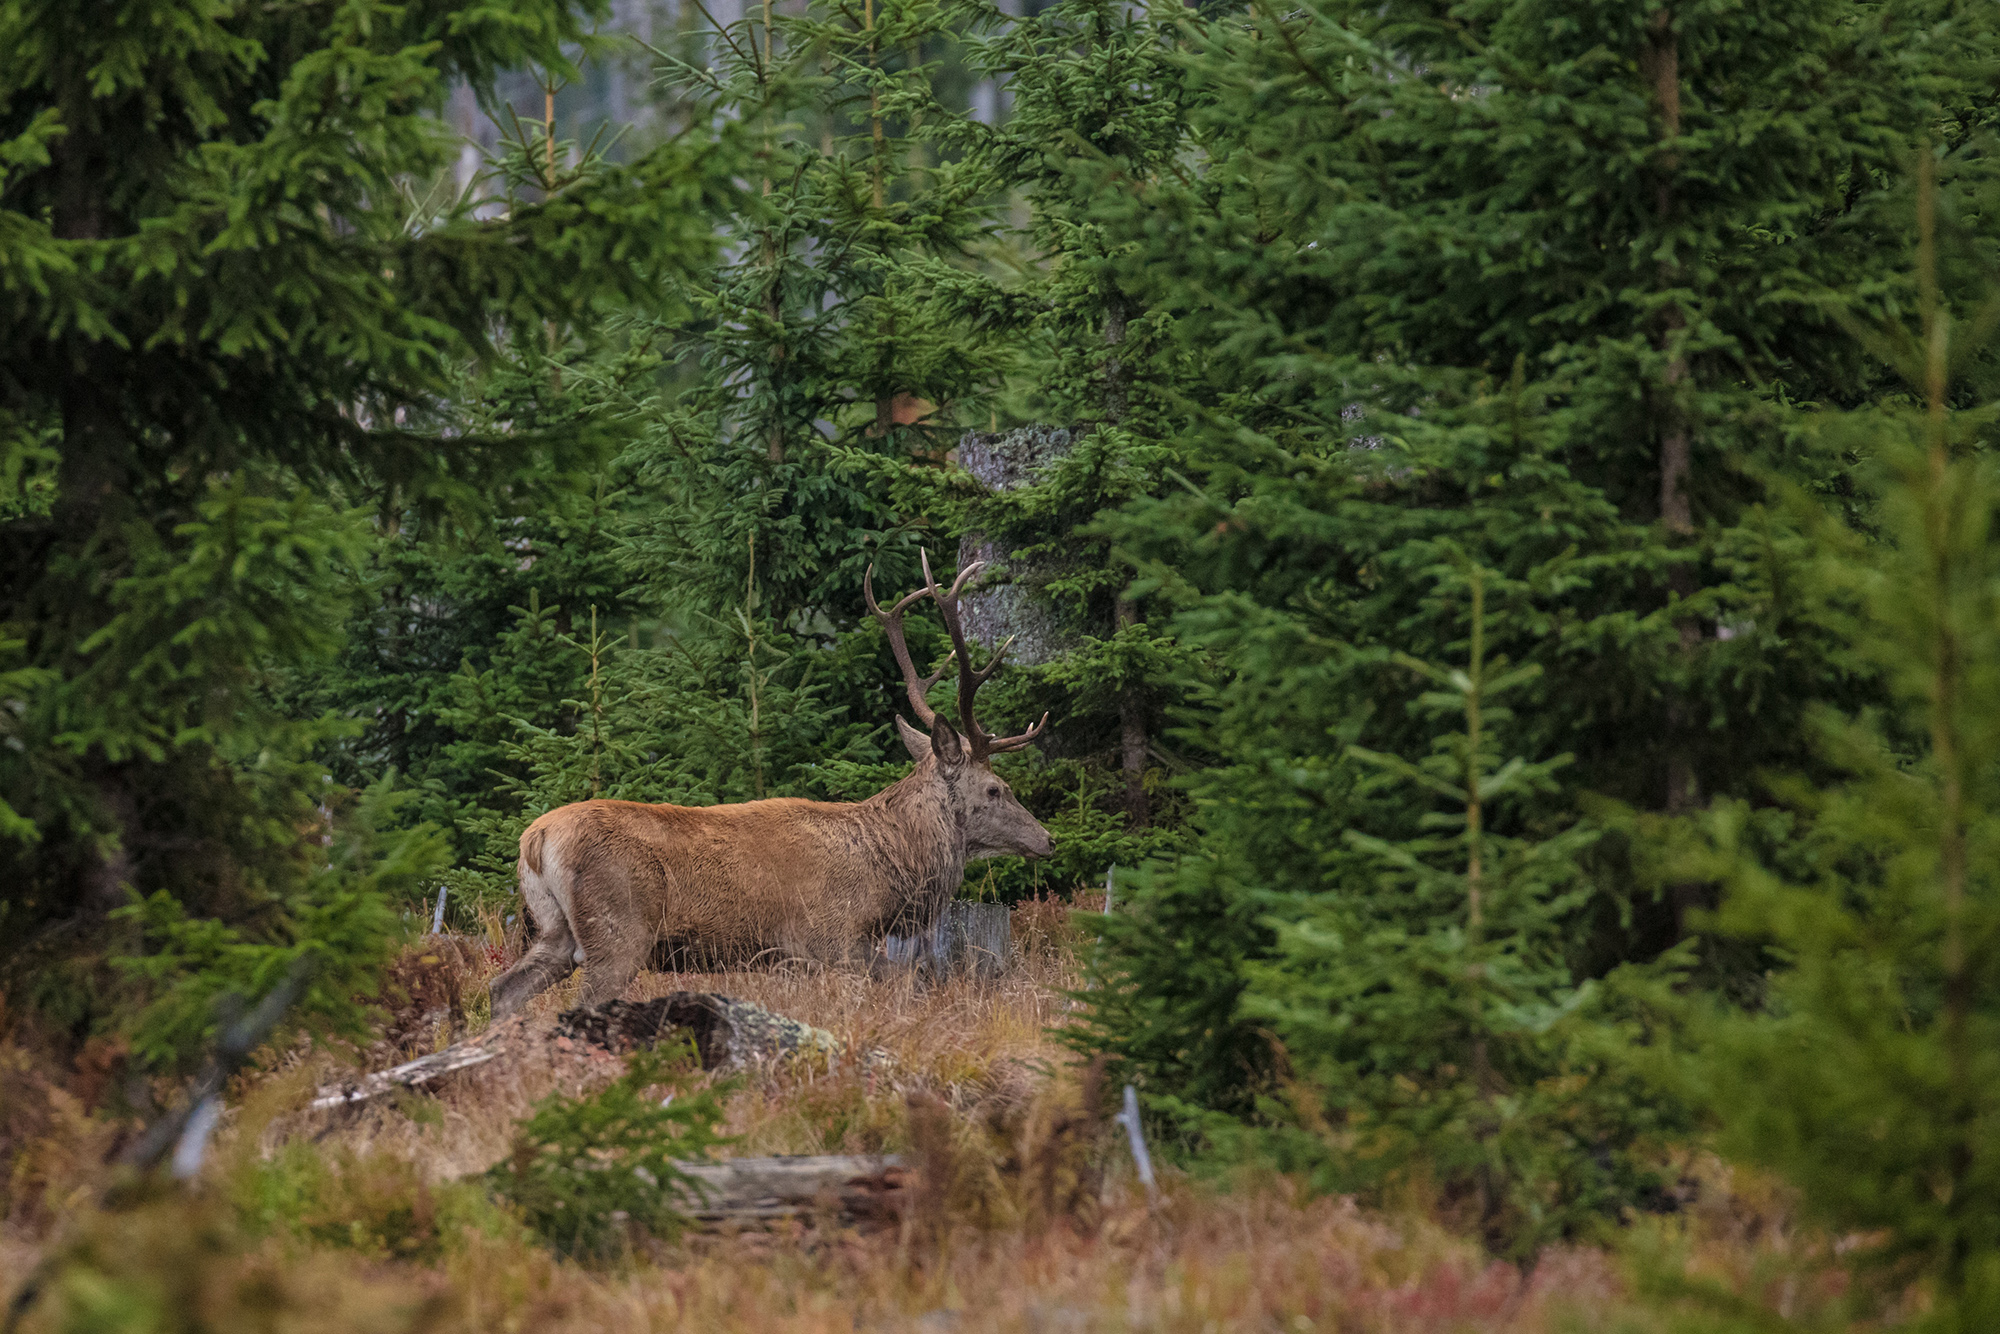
(1136, 1136)
(411, 1074)
(185, 1131)
(727, 1033)
(856, 1188)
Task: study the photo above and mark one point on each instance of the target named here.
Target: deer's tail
(544, 886)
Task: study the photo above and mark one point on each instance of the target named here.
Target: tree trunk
(1132, 737)
(96, 467)
(1116, 396)
(1131, 700)
(1660, 64)
(1003, 604)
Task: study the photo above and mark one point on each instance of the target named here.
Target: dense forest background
(1495, 497)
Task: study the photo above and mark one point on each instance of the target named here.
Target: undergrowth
(590, 1174)
(512, 1199)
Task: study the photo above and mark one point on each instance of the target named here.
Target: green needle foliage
(1430, 1020)
(839, 338)
(1870, 1076)
(1537, 283)
(1097, 106)
(342, 919)
(237, 315)
(589, 1174)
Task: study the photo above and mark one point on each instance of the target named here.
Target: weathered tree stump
(727, 1032)
(969, 940)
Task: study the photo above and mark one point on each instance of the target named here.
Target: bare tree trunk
(1005, 603)
(1132, 737)
(1660, 64)
(1115, 394)
(774, 447)
(1131, 702)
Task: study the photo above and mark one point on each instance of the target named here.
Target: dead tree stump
(969, 940)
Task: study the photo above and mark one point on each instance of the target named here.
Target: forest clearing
(1030, 1218)
(1000, 664)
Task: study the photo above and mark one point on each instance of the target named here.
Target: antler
(969, 680)
(892, 625)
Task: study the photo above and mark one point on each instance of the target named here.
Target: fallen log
(859, 1188)
(458, 1056)
(727, 1033)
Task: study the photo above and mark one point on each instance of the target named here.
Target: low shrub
(379, 1205)
(588, 1175)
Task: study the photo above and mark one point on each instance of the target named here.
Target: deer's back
(784, 873)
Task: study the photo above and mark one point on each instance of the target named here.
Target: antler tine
(868, 594)
(983, 742)
(917, 687)
(1017, 742)
(993, 663)
(930, 584)
(968, 679)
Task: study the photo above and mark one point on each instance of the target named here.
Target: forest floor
(373, 1219)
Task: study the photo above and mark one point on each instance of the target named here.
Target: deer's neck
(920, 840)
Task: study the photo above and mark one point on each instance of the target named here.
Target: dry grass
(984, 1047)
(1254, 1262)
(1030, 1221)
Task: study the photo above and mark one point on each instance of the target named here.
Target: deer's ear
(914, 741)
(947, 745)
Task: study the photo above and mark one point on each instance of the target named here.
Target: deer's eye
(993, 791)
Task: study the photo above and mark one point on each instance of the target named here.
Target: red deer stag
(610, 883)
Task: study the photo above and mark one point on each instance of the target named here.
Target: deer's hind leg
(548, 961)
(614, 947)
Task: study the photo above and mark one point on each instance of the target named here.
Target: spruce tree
(1526, 280)
(1432, 1026)
(465, 631)
(836, 340)
(1868, 1075)
(232, 336)
(1095, 104)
